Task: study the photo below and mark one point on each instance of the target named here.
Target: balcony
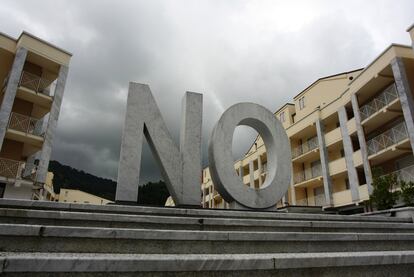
(341, 198)
(11, 169)
(405, 174)
(25, 124)
(337, 167)
(304, 148)
(309, 174)
(37, 84)
(317, 200)
(25, 129)
(383, 99)
(333, 137)
(395, 135)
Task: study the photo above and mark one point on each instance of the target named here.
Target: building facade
(341, 128)
(81, 197)
(33, 74)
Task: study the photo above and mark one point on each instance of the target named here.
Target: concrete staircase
(57, 239)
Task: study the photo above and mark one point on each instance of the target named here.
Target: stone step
(376, 263)
(40, 238)
(194, 212)
(90, 219)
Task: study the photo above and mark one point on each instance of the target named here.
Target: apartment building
(33, 74)
(340, 128)
(78, 196)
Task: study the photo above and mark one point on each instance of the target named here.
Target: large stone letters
(181, 167)
(222, 171)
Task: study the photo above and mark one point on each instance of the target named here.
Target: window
(301, 103)
(282, 117)
(346, 184)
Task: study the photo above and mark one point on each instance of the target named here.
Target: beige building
(78, 196)
(340, 128)
(33, 74)
(47, 193)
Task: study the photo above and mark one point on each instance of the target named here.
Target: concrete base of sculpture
(237, 206)
(60, 239)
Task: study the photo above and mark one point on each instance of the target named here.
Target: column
(30, 164)
(327, 180)
(51, 126)
(405, 95)
(251, 174)
(362, 142)
(241, 171)
(11, 89)
(292, 189)
(203, 196)
(259, 165)
(349, 151)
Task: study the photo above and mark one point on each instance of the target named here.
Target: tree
(384, 196)
(407, 192)
(153, 194)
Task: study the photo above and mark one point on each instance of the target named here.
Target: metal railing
(37, 83)
(25, 124)
(388, 138)
(305, 147)
(307, 174)
(10, 168)
(320, 200)
(381, 100)
(405, 174)
(302, 202)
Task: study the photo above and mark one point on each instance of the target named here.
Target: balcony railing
(302, 202)
(309, 145)
(37, 83)
(25, 124)
(381, 100)
(388, 138)
(307, 174)
(11, 168)
(405, 174)
(320, 200)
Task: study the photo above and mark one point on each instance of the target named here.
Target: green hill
(72, 178)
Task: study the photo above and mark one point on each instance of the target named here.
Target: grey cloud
(231, 51)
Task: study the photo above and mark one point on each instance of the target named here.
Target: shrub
(383, 196)
(407, 192)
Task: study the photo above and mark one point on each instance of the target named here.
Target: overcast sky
(231, 51)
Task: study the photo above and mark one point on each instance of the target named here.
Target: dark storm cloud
(231, 51)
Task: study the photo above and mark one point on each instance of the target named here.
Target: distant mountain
(71, 178)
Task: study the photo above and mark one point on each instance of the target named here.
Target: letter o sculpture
(223, 173)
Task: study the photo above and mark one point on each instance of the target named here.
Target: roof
(7, 36)
(45, 42)
(379, 56)
(281, 108)
(324, 78)
(37, 38)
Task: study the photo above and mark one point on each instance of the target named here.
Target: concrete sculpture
(223, 174)
(181, 166)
